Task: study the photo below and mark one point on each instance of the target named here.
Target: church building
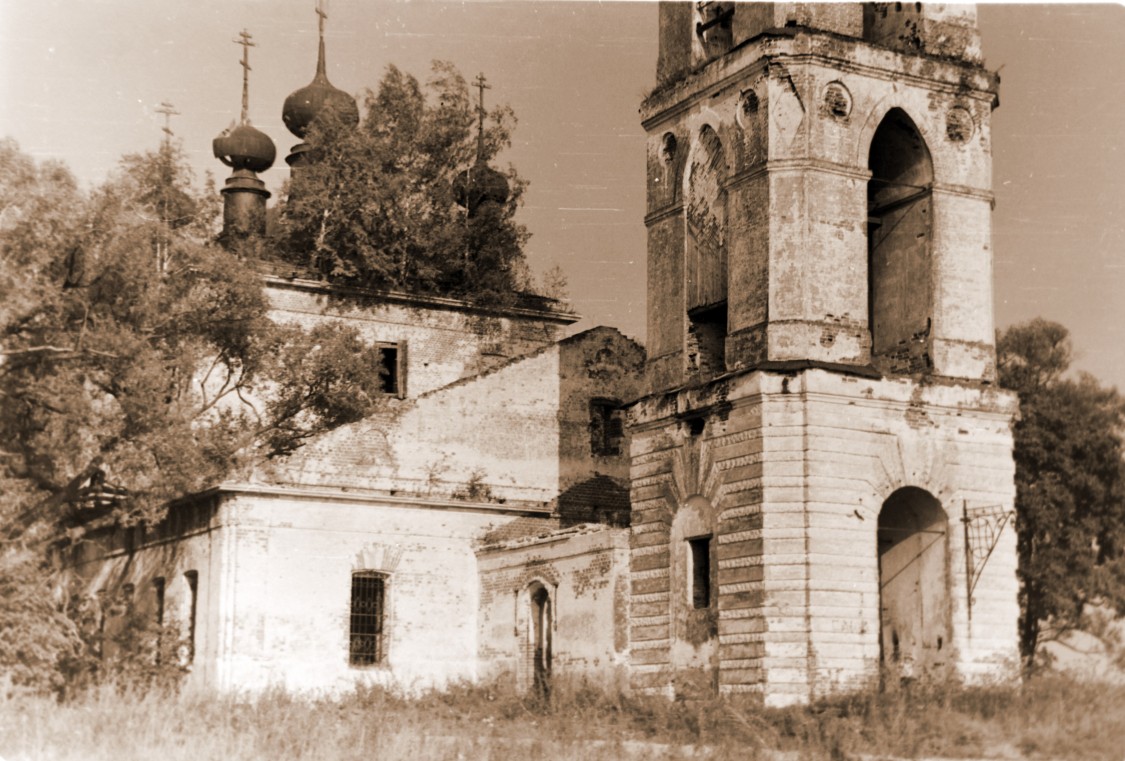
(801, 485)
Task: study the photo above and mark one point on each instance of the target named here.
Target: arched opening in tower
(913, 586)
(706, 261)
(899, 244)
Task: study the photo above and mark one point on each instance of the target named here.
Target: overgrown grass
(1048, 717)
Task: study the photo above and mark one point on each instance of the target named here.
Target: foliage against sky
(133, 345)
(1070, 482)
(377, 208)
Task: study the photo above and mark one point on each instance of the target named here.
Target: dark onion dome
(304, 105)
(479, 184)
(244, 147)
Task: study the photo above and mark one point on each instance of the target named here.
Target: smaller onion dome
(304, 105)
(479, 184)
(244, 147)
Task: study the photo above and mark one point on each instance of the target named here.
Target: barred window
(366, 645)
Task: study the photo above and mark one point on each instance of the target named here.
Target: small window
(607, 429)
(700, 571)
(366, 646)
(390, 369)
(192, 579)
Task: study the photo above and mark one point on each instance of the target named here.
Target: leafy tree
(1070, 483)
(138, 362)
(378, 208)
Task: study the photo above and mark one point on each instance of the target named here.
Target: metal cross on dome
(481, 84)
(244, 39)
(169, 111)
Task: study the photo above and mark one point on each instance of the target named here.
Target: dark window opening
(390, 377)
(700, 572)
(707, 338)
(192, 578)
(607, 428)
(158, 589)
(366, 646)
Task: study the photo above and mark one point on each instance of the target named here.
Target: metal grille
(365, 646)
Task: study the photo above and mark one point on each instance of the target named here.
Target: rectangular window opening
(607, 428)
(366, 646)
(700, 571)
(390, 379)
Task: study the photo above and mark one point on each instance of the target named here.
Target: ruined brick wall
(947, 30)
(490, 437)
(585, 571)
(602, 365)
(520, 432)
(796, 469)
(445, 340)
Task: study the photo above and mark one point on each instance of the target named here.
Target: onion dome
(480, 184)
(244, 147)
(304, 105)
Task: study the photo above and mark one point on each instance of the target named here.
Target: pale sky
(79, 81)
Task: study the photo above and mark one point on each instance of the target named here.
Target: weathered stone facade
(433, 497)
(820, 354)
(799, 490)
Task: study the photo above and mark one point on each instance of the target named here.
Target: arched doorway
(541, 625)
(899, 225)
(913, 584)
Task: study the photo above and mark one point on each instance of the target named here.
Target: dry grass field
(1048, 717)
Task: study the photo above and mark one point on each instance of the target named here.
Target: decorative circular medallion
(959, 124)
(749, 102)
(837, 100)
(668, 148)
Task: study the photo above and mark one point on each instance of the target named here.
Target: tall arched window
(899, 237)
(706, 262)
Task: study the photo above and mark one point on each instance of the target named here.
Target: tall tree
(137, 359)
(1070, 483)
(378, 207)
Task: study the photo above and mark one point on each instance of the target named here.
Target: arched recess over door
(899, 246)
(540, 635)
(705, 267)
(914, 584)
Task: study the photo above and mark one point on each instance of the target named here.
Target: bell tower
(821, 353)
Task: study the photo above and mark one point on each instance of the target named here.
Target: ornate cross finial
(244, 39)
(481, 84)
(322, 15)
(169, 111)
